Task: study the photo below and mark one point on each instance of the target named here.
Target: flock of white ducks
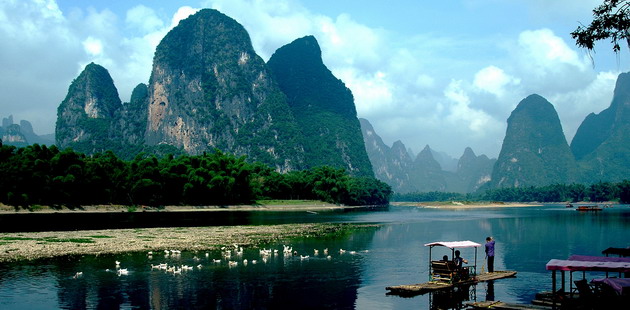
(232, 255)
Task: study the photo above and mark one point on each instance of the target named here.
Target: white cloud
(373, 91)
(144, 19)
(462, 114)
(575, 105)
(425, 81)
(494, 80)
(430, 88)
(93, 46)
(182, 13)
(547, 64)
(37, 60)
(544, 48)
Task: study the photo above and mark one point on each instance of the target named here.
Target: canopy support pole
(430, 267)
(553, 288)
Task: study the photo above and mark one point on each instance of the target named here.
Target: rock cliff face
(209, 89)
(84, 117)
(322, 106)
(131, 121)
(602, 142)
(534, 151)
(12, 135)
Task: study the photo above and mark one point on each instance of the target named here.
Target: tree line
(41, 175)
(596, 192)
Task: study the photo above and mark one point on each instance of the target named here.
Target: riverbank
(35, 245)
(465, 204)
(269, 205)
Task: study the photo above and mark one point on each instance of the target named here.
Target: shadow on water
(24, 222)
(454, 298)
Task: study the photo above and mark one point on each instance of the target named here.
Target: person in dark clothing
(459, 261)
(459, 264)
(490, 253)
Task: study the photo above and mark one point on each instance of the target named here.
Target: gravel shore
(34, 245)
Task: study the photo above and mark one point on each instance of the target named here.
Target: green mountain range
(210, 90)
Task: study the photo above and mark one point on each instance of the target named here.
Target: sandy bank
(28, 246)
(465, 205)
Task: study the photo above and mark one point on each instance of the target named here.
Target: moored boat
(589, 208)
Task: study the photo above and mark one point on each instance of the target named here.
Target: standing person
(490, 253)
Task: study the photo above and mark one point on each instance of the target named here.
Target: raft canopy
(454, 244)
(575, 265)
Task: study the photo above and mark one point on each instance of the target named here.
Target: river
(391, 254)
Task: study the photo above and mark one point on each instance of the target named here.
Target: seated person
(459, 264)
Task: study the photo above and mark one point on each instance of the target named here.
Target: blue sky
(443, 73)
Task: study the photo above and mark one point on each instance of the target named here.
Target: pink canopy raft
(617, 266)
(445, 275)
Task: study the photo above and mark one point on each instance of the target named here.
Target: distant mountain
(447, 162)
(426, 173)
(602, 142)
(474, 171)
(22, 134)
(85, 116)
(390, 165)
(423, 173)
(322, 106)
(535, 151)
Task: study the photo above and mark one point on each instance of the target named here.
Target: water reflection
(454, 298)
(278, 281)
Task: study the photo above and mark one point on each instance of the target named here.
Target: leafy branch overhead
(611, 20)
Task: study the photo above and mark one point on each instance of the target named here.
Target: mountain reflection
(280, 282)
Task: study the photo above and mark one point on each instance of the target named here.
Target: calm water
(390, 255)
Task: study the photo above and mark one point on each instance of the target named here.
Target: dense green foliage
(611, 20)
(49, 176)
(431, 196)
(596, 192)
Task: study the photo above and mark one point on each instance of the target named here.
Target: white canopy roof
(454, 244)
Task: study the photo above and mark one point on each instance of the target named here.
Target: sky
(440, 73)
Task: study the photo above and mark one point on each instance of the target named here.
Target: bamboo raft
(422, 288)
(503, 306)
